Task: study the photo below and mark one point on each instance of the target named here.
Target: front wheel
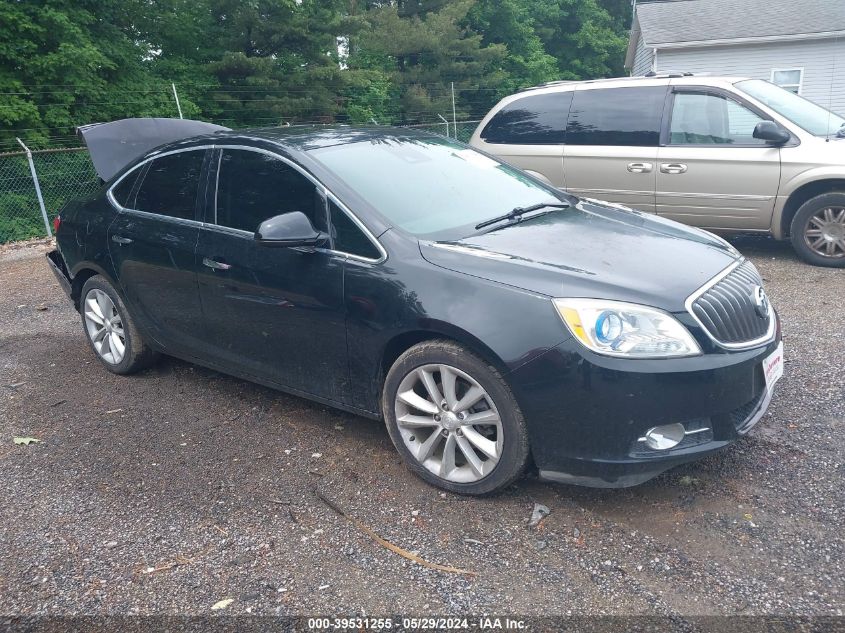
(454, 419)
(818, 230)
(110, 330)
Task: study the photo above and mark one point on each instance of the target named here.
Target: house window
(788, 78)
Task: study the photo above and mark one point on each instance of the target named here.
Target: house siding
(820, 59)
(642, 59)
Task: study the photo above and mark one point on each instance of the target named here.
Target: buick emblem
(761, 302)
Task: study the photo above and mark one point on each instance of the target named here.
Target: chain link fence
(67, 173)
(63, 175)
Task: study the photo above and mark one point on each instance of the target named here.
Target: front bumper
(586, 414)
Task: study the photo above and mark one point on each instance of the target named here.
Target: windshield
(806, 114)
(432, 187)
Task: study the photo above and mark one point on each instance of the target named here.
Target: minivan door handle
(673, 168)
(118, 239)
(215, 265)
(640, 168)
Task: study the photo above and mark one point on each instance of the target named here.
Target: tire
(97, 299)
(498, 437)
(815, 222)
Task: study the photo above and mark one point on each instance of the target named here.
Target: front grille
(728, 309)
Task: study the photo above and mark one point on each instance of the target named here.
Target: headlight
(615, 328)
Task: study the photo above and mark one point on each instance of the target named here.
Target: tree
(64, 64)
(423, 48)
(265, 62)
(511, 23)
(581, 35)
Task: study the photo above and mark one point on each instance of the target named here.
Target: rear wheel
(110, 330)
(454, 419)
(818, 230)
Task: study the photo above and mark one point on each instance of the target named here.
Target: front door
(277, 313)
(611, 144)
(152, 243)
(711, 171)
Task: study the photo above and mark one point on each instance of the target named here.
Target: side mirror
(289, 230)
(771, 132)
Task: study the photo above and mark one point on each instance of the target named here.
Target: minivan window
(446, 187)
(616, 116)
(253, 187)
(170, 185)
(531, 120)
(709, 119)
(803, 113)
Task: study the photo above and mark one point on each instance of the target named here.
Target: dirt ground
(169, 491)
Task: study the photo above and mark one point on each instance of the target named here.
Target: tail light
(57, 221)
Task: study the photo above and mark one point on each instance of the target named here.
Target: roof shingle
(678, 21)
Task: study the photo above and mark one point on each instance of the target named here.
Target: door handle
(214, 265)
(640, 168)
(117, 239)
(673, 168)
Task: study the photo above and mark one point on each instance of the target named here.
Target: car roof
(669, 78)
(305, 138)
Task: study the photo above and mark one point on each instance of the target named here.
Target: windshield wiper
(517, 213)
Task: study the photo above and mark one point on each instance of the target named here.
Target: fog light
(661, 438)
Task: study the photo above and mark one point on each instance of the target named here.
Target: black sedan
(490, 320)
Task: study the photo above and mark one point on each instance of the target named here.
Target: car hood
(595, 250)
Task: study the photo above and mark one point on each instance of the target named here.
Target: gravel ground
(169, 491)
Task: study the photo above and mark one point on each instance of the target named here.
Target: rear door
(152, 243)
(611, 143)
(529, 133)
(275, 313)
(712, 172)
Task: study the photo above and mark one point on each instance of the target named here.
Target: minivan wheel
(454, 420)
(110, 330)
(818, 230)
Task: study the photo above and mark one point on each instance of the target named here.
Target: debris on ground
(222, 604)
(540, 512)
(387, 544)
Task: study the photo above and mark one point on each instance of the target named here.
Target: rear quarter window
(530, 120)
(123, 189)
(170, 185)
(616, 116)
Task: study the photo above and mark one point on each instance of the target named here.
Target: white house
(797, 44)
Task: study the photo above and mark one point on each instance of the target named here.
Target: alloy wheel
(825, 232)
(105, 327)
(449, 423)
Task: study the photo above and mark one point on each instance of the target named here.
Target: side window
(124, 189)
(616, 116)
(170, 185)
(348, 238)
(709, 119)
(253, 187)
(533, 120)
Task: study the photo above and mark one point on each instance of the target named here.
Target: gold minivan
(726, 154)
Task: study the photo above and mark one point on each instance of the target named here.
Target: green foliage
(581, 35)
(267, 62)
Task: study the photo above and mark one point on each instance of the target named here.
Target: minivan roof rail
(650, 75)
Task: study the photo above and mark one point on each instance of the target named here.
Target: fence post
(447, 124)
(454, 116)
(176, 96)
(37, 187)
